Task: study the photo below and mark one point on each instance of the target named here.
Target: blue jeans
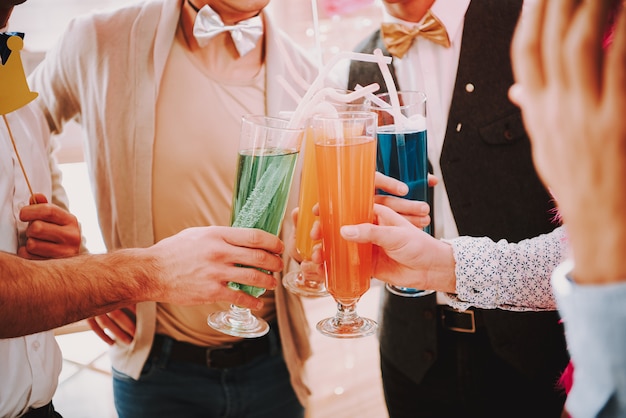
(166, 388)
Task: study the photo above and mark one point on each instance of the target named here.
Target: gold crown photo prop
(14, 91)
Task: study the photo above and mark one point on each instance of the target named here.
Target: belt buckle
(470, 313)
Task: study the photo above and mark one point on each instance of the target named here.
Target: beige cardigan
(105, 73)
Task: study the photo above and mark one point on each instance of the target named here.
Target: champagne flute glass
(268, 151)
(402, 154)
(345, 153)
(295, 281)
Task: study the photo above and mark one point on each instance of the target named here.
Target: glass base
(407, 292)
(296, 283)
(347, 324)
(238, 322)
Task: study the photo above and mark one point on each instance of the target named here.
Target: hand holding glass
(402, 153)
(268, 151)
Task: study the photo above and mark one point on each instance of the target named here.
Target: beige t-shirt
(195, 155)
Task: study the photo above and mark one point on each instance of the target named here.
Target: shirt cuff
(594, 318)
(477, 275)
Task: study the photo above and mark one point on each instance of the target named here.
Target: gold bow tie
(398, 38)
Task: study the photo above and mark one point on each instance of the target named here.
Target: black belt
(222, 357)
(46, 411)
(460, 321)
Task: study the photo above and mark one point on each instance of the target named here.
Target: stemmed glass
(295, 281)
(268, 151)
(402, 153)
(345, 152)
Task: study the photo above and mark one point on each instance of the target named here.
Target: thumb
(387, 234)
(386, 237)
(38, 198)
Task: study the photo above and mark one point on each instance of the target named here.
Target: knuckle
(251, 276)
(74, 242)
(255, 236)
(35, 227)
(261, 257)
(31, 245)
(216, 252)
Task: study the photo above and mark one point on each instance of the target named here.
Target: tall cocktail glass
(345, 153)
(268, 151)
(402, 154)
(295, 281)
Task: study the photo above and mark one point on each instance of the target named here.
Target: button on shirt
(30, 365)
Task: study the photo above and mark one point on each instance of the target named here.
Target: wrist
(598, 254)
(441, 272)
(144, 271)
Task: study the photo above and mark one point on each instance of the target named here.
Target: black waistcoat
(493, 190)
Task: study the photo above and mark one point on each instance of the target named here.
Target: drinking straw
(375, 99)
(391, 88)
(305, 104)
(354, 95)
(383, 105)
(316, 33)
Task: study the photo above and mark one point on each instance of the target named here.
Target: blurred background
(344, 374)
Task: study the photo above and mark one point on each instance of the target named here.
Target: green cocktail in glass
(262, 190)
(267, 159)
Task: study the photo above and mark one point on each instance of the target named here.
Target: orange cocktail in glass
(308, 198)
(296, 281)
(345, 152)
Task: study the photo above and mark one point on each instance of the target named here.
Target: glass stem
(346, 314)
(240, 316)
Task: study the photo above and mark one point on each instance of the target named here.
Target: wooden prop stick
(19, 159)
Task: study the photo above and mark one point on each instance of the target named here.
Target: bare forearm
(41, 295)
(598, 251)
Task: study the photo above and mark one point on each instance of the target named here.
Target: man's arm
(190, 268)
(41, 295)
(506, 275)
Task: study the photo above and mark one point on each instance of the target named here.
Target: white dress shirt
(30, 365)
(432, 68)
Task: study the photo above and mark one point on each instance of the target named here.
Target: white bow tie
(245, 34)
